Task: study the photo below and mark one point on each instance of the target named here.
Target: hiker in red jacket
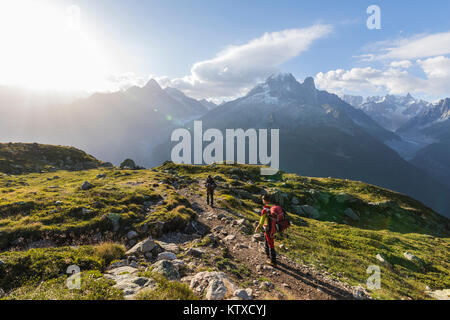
(269, 231)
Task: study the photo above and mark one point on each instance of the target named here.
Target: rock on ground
(217, 285)
(167, 269)
(142, 247)
(167, 256)
(127, 280)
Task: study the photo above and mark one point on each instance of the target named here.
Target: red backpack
(279, 218)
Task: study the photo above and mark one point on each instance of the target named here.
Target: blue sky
(165, 39)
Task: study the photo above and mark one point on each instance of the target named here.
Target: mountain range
(320, 133)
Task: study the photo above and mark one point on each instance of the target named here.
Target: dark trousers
(270, 246)
(210, 196)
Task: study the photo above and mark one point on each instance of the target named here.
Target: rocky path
(288, 280)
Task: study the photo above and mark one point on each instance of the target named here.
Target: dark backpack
(278, 216)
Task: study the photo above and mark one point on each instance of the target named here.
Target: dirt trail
(303, 283)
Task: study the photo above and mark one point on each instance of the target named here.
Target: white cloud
(404, 64)
(393, 79)
(237, 69)
(415, 47)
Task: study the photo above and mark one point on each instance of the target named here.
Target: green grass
(92, 287)
(32, 266)
(165, 290)
(348, 252)
(390, 224)
(31, 209)
(16, 158)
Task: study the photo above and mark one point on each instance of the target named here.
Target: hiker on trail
(210, 186)
(269, 231)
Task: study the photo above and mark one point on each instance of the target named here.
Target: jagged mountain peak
(153, 84)
(309, 83)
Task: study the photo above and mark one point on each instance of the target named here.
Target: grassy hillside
(53, 206)
(17, 158)
(51, 209)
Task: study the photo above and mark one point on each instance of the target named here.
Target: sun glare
(45, 47)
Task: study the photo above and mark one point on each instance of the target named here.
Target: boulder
(197, 253)
(128, 282)
(132, 234)
(217, 285)
(167, 269)
(142, 247)
(258, 237)
(440, 294)
(170, 247)
(230, 237)
(382, 259)
(413, 258)
(128, 164)
(86, 186)
(243, 294)
(359, 293)
(309, 211)
(118, 264)
(167, 256)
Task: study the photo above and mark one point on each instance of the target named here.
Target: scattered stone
(216, 284)
(167, 269)
(132, 234)
(86, 186)
(167, 256)
(309, 211)
(148, 255)
(127, 281)
(413, 258)
(197, 253)
(383, 260)
(101, 176)
(242, 294)
(122, 270)
(440, 294)
(170, 247)
(360, 293)
(142, 247)
(286, 286)
(240, 222)
(266, 285)
(118, 264)
(230, 237)
(258, 237)
(240, 246)
(179, 264)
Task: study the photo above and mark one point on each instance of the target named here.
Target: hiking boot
(273, 257)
